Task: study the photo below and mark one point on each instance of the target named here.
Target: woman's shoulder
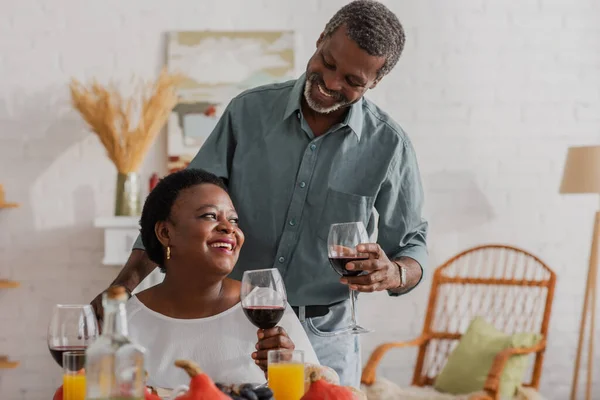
(140, 302)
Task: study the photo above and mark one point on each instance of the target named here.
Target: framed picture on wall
(217, 66)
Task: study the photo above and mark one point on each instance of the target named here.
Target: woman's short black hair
(159, 203)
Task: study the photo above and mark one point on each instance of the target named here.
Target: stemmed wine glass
(341, 248)
(263, 297)
(72, 328)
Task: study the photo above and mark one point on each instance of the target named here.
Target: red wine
(339, 265)
(57, 354)
(264, 317)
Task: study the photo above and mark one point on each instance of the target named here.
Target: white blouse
(222, 345)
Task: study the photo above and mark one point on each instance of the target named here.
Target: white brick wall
(491, 92)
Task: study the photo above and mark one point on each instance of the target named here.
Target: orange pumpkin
(58, 395)
(320, 389)
(201, 385)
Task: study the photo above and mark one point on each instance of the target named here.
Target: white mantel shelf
(119, 235)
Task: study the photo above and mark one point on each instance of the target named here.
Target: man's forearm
(137, 267)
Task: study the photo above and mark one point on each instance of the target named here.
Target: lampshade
(582, 170)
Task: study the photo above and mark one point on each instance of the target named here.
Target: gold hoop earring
(168, 252)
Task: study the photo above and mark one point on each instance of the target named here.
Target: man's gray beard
(316, 107)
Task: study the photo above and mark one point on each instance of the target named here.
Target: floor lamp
(582, 175)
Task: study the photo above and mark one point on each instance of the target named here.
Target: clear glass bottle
(114, 366)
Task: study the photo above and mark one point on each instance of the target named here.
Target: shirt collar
(354, 118)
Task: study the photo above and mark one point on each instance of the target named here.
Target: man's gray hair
(374, 28)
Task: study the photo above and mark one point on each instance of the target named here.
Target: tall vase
(129, 195)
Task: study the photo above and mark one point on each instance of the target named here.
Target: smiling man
(302, 155)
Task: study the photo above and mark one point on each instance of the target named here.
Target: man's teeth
(323, 92)
(228, 246)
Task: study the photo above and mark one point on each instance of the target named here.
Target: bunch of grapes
(246, 392)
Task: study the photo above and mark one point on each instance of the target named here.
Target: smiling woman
(189, 227)
(175, 216)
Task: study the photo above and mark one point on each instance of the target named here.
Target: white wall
(491, 92)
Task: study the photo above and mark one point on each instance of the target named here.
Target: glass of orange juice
(285, 371)
(73, 375)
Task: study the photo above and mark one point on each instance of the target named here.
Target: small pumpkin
(320, 389)
(58, 395)
(201, 385)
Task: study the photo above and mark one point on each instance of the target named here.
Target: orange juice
(73, 387)
(286, 380)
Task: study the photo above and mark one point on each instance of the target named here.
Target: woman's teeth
(228, 246)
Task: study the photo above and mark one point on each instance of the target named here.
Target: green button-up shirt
(289, 186)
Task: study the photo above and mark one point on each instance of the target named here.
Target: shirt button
(302, 184)
(313, 146)
(281, 259)
(292, 222)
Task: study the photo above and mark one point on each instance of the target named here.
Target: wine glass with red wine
(341, 248)
(72, 328)
(263, 297)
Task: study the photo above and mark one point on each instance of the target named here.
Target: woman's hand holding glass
(270, 339)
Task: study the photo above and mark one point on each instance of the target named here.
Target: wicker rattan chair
(509, 287)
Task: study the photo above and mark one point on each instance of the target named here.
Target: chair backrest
(509, 287)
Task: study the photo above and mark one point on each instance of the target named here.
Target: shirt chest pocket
(343, 207)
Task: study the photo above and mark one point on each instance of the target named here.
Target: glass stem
(352, 309)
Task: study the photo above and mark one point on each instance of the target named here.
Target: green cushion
(468, 364)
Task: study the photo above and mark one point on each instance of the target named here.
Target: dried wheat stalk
(111, 117)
